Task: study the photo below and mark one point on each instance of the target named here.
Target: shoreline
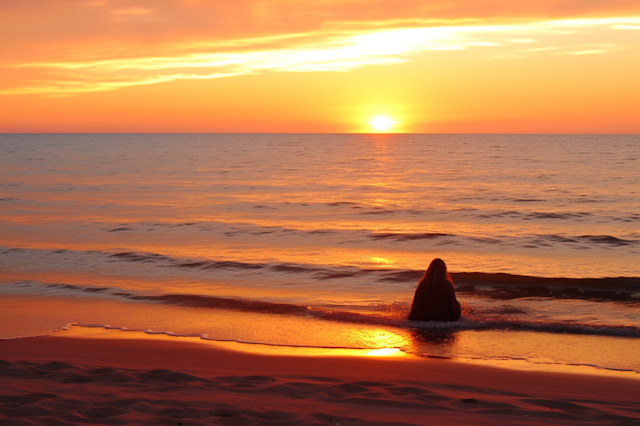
(97, 331)
(128, 378)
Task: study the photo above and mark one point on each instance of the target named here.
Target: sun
(381, 123)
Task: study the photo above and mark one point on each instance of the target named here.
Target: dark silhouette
(435, 298)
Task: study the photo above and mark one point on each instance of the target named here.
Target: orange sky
(478, 66)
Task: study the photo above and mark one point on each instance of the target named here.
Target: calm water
(319, 240)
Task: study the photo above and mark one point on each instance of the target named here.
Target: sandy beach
(96, 376)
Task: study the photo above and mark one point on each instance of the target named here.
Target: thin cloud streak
(322, 51)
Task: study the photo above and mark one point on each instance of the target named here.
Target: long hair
(437, 272)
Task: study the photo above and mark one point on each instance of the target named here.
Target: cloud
(317, 52)
(72, 48)
(38, 24)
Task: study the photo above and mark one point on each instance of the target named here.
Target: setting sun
(381, 123)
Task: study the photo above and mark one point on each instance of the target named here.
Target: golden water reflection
(384, 352)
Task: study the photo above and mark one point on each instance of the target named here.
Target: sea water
(319, 240)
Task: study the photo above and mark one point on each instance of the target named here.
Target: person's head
(437, 270)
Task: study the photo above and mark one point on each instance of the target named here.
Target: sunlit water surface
(319, 240)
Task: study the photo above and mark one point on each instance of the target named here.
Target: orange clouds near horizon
(319, 66)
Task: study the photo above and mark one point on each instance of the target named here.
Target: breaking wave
(384, 314)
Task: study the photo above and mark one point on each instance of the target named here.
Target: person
(435, 298)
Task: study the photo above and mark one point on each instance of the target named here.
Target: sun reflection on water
(381, 261)
(385, 352)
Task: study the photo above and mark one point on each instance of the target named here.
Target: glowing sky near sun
(319, 66)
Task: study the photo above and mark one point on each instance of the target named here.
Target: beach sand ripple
(59, 393)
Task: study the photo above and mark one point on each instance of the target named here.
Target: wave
(535, 240)
(528, 325)
(509, 286)
(505, 286)
(364, 236)
(501, 286)
(218, 229)
(452, 327)
(389, 314)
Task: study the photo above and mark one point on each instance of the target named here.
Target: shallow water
(319, 240)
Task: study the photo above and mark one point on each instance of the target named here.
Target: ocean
(319, 240)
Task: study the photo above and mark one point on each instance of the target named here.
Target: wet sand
(95, 376)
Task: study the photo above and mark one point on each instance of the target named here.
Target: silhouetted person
(435, 299)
